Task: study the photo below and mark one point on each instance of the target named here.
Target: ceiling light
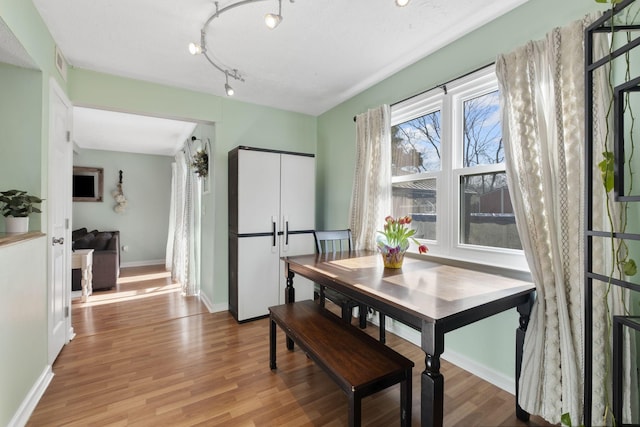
(228, 89)
(272, 20)
(402, 3)
(195, 49)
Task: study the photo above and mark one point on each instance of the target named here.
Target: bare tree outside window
(415, 145)
(486, 215)
(482, 131)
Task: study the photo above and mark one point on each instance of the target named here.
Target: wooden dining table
(431, 297)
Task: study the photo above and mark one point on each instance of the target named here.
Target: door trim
(56, 91)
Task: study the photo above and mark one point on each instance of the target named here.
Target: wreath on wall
(201, 163)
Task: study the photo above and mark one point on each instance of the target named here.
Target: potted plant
(393, 242)
(17, 205)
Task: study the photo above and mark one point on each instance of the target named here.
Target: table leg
(272, 344)
(85, 282)
(90, 278)
(289, 295)
(525, 311)
(432, 396)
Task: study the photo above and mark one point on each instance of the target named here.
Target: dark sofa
(106, 257)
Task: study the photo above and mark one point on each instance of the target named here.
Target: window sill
(483, 267)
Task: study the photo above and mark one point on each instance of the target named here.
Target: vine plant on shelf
(623, 264)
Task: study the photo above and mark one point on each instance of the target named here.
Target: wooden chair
(338, 241)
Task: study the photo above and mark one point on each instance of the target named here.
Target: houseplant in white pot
(16, 207)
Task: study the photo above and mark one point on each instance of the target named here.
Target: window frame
(450, 100)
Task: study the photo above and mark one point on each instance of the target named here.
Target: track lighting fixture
(195, 49)
(271, 20)
(228, 89)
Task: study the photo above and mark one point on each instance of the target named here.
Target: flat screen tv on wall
(87, 184)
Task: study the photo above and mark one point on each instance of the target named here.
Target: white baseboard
(142, 263)
(480, 370)
(27, 406)
(496, 378)
(213, 308)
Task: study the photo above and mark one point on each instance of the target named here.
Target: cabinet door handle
(275, 235)
(57, 241)
(286, 233)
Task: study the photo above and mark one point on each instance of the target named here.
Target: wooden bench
(357, 362)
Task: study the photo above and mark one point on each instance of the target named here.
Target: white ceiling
(323, 52)
(114, 131)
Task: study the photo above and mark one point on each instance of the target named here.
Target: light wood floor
(145, 355)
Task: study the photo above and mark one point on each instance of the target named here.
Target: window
(448, 172)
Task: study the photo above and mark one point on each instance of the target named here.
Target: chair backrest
(332, 240)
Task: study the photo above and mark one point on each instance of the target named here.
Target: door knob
(57, 241)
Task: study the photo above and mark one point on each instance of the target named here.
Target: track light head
(195, 49)
(228, 89)
(402, 3)
(272, 20)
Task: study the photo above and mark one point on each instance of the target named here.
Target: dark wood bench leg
(272, 345)
(363, 315)
(355, 410)
(405, 400)
(346, 312)
(383, 329)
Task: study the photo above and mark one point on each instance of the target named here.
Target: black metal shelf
(606, 24)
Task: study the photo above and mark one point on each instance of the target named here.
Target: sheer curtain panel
(542, 98)
(371, 194)
(184, 231)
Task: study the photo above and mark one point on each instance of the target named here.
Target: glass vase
(392, 257)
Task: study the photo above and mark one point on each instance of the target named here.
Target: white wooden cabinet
(271, 214)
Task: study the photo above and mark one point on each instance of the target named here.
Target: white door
(59, 214)
(298, 208)
(258, 191)
(298, 192)
(257, 276)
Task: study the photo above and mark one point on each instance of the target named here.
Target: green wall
(24, 110)
(236, 123)
(208, 221)
(20, 130)
(146, 184)
(336, 141)
(331, 136)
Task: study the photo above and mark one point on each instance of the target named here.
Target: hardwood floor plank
(146, 356)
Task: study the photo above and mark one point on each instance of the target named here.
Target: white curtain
(542, 97)
(183, 246)
(371, 194)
